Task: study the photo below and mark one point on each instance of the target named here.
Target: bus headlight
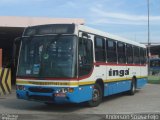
(65, 90)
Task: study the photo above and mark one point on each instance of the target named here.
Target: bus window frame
(92, 51)
(103, 48)
(124, 52)
(132, 54)
(115, 51)
(136, 62)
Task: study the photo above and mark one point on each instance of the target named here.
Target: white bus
(61, 63)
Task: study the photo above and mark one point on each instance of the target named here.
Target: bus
(70, 63)
(155, 66)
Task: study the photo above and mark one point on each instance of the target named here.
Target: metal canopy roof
(12, 26)
(12, 21)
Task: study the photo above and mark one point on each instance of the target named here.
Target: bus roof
(108, 35)
(97, 32)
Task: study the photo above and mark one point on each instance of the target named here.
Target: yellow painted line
(5, 74)
(115, 80)
(121, 79)
(24, 82)
(142, 76)
(3, 81)
(47, 83)
(1, 92)
(55, 83)
(9, 80)
(87, 83)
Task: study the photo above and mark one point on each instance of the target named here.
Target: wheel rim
(96, 95)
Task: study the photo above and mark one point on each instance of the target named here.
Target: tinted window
(143, 55)
(111, 51)
(129, 53)
(99, 49)
(121, 52)
(85, 56)
(136, 55)
(48, 56)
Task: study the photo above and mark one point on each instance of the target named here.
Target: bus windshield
(48, 56)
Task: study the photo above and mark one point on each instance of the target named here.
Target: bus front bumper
(55, 94)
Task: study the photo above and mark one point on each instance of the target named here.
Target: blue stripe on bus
(116, 87)
(85, 94)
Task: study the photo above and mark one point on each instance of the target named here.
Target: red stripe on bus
(65, 79)
(82, 77)
(86, 76)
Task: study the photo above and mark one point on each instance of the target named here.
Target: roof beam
(9, 21)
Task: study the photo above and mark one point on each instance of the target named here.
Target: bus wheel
(133, 87)
(96, 96)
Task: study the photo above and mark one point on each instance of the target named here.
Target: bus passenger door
(85, 55)
(85, 66)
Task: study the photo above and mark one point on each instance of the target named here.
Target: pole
(148, 35)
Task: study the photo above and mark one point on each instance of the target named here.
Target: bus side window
(121, 52)
(136, 55)
(85, 56)
(142, 55)
(145, 56)
(129, 54)
(111, 51)
(100, 49)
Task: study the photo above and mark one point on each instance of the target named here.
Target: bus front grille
(40, 98)
(41, 90)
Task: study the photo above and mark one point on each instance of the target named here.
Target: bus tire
(133, 87)
(96, 96)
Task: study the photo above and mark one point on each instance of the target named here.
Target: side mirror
(16, 46)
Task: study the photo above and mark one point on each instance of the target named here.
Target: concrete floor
(146, 100)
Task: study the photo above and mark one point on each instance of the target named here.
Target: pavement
(146, 100)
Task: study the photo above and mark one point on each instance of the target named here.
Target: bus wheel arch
(97, 94)
(101, 83)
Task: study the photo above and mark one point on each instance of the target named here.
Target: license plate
(60, 95)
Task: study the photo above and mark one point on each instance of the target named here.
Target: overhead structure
(154, 48)
(8, 21)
